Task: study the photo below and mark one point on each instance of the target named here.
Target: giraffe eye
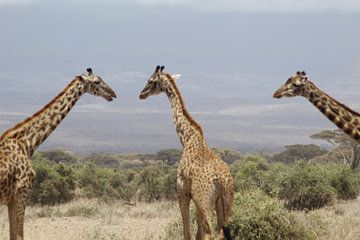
(97, 81)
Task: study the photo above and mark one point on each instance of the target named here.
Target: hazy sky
(235, 5)
(232, 56)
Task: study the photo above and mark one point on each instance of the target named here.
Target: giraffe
(202, 176)
(19, 143)
(341, 115)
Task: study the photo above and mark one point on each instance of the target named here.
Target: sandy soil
(84, 219)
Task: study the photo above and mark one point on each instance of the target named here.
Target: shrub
(298, 152)
(345, 181)
(169, 187)
(169, 156)
(249, 174)
(54, 183)
(156, 182)
(105, 183)
(255, 215)
(307, 186)
(273, 178)
(60, 156)
(227, 155)
(102, 159)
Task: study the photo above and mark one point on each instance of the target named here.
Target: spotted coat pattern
(342, 116)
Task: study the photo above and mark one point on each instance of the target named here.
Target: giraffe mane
(186, 113)
(40, 111)
(337, 102)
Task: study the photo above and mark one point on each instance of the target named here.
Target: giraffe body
(19, 143)
(202, 176)
(341, 115)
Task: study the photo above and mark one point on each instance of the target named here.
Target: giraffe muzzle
(277, 94)
(110, 96)
(142, 95)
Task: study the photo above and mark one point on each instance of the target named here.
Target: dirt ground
(90, 220)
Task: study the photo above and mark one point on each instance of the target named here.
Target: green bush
(298, 152)
(273, 178)
(250, 173)
(54, 183)
(255, 215)
(169, 156)
(307, 186)
(156, 182)
(105, 183)
(60, 156)
(102, 160)
(169, 187)
(228, 155)
(300, 185)
(345, 181)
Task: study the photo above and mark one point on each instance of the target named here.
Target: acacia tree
(341, 142)
(297, 152)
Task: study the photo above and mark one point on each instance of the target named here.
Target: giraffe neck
(342, 116)
(34, 130)
(188, 130)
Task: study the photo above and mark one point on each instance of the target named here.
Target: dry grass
(91, 220)
(340, 221)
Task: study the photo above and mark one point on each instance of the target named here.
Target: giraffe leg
(203, 209)
(220, 217)
(184, 203)
(20, 215)
(200, 230)
(205, 223)
(12, 219)
(16, 211)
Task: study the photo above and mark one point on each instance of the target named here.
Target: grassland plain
(84, 219)
(92, 220)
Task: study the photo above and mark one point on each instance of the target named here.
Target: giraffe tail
(226, 229)
(227, 234)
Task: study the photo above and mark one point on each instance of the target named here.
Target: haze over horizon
(232, 57)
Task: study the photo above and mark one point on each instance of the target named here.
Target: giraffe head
(157, 82)
(96, 86)
(294, 86)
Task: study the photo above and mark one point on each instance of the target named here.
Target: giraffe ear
(175, 76)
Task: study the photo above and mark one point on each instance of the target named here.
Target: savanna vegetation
(270, 190)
